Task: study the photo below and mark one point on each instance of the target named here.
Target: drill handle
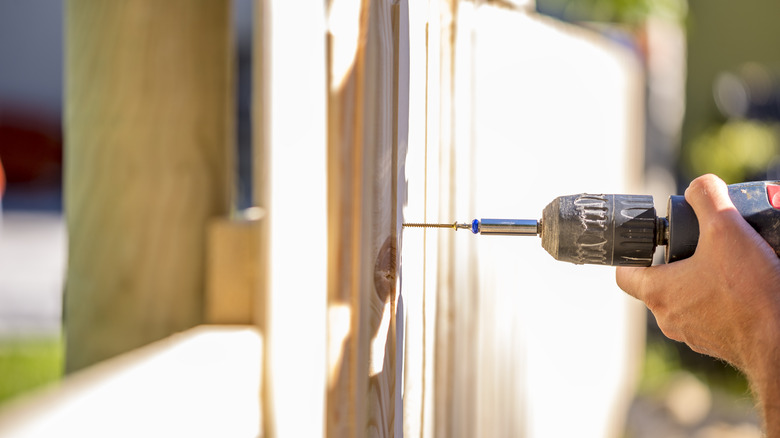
(758, 202)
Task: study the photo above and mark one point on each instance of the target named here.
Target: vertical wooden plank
(432, 213)
(465, 291)
(290, 102)
(428, 174)
(401, 141)
(446, 306)
(367, 131)
(414, 251)
(149, 124)
(345, 90)
(347, 378)
(377, 291)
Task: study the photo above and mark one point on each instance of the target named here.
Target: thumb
(708, 195)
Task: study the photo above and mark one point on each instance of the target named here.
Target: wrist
(767, 394)
(763, 373)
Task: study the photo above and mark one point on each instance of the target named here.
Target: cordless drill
(623, 230)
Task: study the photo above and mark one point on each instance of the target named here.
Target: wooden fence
(365, 114)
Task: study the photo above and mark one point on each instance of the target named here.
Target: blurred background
(712, 105)
(33, 241)
(712, 102)
(32, 230)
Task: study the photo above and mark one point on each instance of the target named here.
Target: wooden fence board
(367, 96)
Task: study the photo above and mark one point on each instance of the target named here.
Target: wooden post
(149, 122)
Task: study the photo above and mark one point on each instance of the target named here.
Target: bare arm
(724, 300)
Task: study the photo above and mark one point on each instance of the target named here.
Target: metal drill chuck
(619, 230)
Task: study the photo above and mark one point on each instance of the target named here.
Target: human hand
(724, 300)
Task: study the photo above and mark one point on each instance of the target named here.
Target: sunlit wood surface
(368, 93)
(289, 135)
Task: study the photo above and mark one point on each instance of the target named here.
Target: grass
(27, 363)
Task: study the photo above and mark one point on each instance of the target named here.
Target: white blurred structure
(32, 268)
(557, 112)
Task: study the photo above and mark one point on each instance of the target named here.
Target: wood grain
(148, 130)
(365, 102)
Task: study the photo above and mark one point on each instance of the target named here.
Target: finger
(632, 280)
(708, 195)
(652, 285)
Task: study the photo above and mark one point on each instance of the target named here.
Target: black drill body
(624, 230)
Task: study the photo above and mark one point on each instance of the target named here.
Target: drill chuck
(618, 230)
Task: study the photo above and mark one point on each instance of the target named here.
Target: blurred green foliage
(665, 358)
(735, 150)
(629, 12)
(27, 363)
(661, 362)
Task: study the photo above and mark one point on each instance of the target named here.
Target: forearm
(768, 396)
(764, 378)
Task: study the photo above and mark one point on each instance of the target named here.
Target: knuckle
(704, 187)
(707, 181)
(653, 298)
(700, 184)
(654, 304)
(670, 332)
(697, 348)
